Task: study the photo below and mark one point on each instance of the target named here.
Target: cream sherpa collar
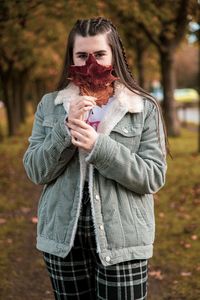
(130, 101)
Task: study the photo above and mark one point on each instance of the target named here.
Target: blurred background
(161, 39)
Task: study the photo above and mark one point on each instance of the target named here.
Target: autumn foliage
(93, 79)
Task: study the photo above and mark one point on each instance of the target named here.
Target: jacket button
(97, 197)
(125, 130)
(107, 258)
(101, 227)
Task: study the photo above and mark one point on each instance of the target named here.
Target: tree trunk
(40, 90)
(168, 82)
(9, 101)
(22, 100)
(12, 128)
(14, 99)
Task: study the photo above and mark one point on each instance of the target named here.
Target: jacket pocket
(50, 120)
(48, 124)
(41, 212)
(113, 230)
(143, 212)
(128, 135)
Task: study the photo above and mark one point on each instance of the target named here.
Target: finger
(79, 135)
(76, 143)
(85, 103)
(85, 99)
(91, 98)
(80, 123)
(77, 114)
(86, 108)
(70, 122)
(71, 125)
(80, 131)
(76, 135)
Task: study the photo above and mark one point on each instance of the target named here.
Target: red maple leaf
(93, 79)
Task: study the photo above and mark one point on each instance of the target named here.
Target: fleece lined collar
(125, 98)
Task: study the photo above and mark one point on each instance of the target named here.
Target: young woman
(96, 224)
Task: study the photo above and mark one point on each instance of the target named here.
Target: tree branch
(148, 34)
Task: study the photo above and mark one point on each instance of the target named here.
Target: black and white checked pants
(81, 274)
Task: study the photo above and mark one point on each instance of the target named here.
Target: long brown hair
(100, 25)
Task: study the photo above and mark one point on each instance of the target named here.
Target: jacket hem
(52, 247)
(111, 257)
(107, 257)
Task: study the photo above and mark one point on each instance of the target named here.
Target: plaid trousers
(81, 274)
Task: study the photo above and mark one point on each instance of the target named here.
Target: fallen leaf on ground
(156, 274)
(184, 274)
(198, 268)
(25, 209)
(189, 228)
(9, 241)
(34, 220)
(48, 292)
(2, 221)
(185, 216)
(175, 281)
(161, 215)
(19, 259)
(194, 237)
(185, 244)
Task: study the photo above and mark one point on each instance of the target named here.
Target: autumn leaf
(25, 210)
(34, 220)
(2, 221)
(93, 79)
(190, 228)
(156, 274)
(185, 274)
(92, 74)
(198, 268)
(194, 237)
(185, 244)
(161, 215)
(9, 241)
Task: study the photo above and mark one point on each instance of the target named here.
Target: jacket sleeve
(142, 172)
(47, 154)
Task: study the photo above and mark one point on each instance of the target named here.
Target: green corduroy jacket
(126, 167)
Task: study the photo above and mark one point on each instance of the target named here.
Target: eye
(99, 55)
(82, 56)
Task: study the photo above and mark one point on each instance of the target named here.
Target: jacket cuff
(102, 153)
(62, 136)
(66, 127)
(88, 157)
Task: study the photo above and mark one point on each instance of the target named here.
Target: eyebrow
(96, 52)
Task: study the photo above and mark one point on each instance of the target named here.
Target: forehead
(91, 43)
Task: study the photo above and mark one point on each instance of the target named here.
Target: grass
(15, 210)
(177, 207)
(175, 266)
